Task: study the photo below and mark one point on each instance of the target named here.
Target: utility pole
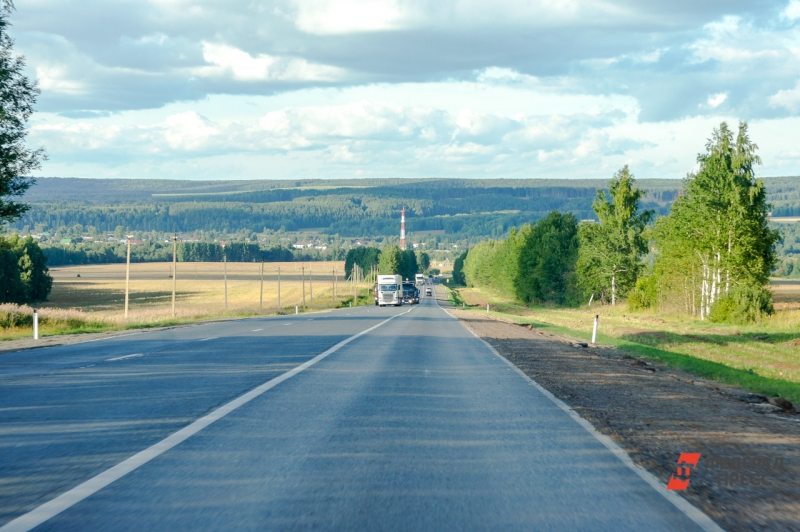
(174, 269)
(279, 287)
(310, 287)
(127, 276)
(303, 277)
(225, 273)
(261, 291)
(333, 287)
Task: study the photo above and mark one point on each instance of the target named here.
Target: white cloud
(787, 98)
(55, 78)
(715, 100)
(334, 17)
(231, 62)
(792, 11)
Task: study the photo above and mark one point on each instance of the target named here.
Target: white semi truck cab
(419, 280)
(390, 290)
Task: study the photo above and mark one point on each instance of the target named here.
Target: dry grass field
(99, 290)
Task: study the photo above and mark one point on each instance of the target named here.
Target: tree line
(102, 253)
(389, 261)
(710, 256)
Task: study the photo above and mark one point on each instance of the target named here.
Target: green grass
(760, 357)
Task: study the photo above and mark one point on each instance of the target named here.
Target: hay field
(99, 290)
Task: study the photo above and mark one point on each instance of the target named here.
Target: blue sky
(253, 89)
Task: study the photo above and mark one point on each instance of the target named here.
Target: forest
(465, 208)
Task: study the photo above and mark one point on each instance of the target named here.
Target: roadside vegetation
(691, 291)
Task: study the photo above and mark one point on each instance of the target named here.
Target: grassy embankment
(762, 357)
(91, 298)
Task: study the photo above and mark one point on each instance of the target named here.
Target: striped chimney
(403, 229)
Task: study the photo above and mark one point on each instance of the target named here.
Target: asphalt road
(413, 425)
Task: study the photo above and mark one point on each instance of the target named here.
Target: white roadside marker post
(487, 308)
(35, 325)
(594, 330)
(296, 310)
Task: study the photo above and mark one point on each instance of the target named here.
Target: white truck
(419, 280)
(390, 290)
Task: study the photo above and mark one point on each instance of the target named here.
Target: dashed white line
(137, 355)
(256, 330)
(207, 339)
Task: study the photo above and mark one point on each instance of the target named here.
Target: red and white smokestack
(403, 229)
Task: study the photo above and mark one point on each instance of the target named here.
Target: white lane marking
(207, 339)
(110, 337)
(291, 323)
(50, 509)
(123, 358)
(256, 330)
(691, 511)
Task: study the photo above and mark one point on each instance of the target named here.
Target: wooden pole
(225, 274)
(127, 277)
(174, 269)
(303, 277)
(310, 287)
(279, 287)
(261, 290)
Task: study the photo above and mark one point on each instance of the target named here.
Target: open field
(92, 298)
(764, 356)
(199, 288)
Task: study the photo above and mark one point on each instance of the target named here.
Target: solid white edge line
(691, 511)
(50, 509)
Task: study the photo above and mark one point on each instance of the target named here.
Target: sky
(301, 89)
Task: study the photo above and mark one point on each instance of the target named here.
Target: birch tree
(17, 97)
(716, 238)
(609, 260)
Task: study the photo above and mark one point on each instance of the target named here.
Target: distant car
(428, 291)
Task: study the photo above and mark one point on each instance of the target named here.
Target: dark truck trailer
(410, 293)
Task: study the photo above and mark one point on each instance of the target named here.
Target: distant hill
(465, 208)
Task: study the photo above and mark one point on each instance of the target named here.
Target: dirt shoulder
(656, 413)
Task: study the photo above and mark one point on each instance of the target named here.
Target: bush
(643, 295)
(744, 304)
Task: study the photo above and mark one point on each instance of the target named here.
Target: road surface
(358, 419)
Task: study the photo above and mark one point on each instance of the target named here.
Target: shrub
(643, 295)
(743, 304)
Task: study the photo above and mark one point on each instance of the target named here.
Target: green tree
(546, 260)
(390, 261)
(34, 275)
(23, 271)
(609, 260)
(408, 264)
(458, 269)
(364, 257)
(17, 98)
(716, 245)
(423, 261)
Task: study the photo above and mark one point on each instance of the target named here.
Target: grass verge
(708, 351)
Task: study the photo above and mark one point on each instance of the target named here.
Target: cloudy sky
(259, 89)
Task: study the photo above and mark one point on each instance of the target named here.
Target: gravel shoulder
(656, 413)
